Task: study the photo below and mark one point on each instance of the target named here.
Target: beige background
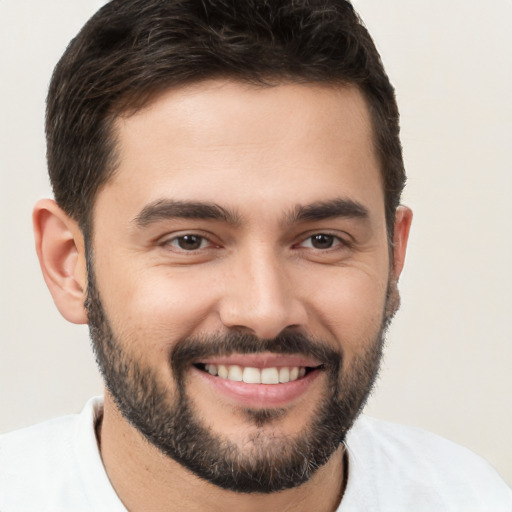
(449, 355)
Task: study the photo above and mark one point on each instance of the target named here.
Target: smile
(252, 375)
(260, 380)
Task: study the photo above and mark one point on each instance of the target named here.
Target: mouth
(260, 380)
(254, 375)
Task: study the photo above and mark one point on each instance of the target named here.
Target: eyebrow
(322, 210)
(163, 209)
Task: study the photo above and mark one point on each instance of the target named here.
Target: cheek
(151, 309)
(350, 304)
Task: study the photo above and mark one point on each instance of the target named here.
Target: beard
(269, 461)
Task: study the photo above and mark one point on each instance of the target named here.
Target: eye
(321, 241)
(189, 242)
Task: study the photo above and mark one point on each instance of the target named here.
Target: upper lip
(264, 360)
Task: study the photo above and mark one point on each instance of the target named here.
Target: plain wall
(447, 364)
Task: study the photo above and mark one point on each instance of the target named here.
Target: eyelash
(175, 241)
(336, 242)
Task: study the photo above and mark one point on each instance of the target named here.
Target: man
(227, 178)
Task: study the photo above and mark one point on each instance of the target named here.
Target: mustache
(191, 350)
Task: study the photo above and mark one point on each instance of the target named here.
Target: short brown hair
(132, 49)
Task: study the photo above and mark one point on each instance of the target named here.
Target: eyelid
(344, 239)
(176, 240)
(167, 239)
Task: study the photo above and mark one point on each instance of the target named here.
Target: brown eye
(322, 241)
(189, 242)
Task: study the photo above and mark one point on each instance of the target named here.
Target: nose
(261, 297)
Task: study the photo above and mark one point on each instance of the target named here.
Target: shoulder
(34, 461)
(406, 468)
(53, 465)
(36, 448)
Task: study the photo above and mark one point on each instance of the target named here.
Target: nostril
(262, 316)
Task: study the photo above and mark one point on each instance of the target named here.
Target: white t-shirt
(56, 467)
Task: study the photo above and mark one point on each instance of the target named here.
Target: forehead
(244, 145)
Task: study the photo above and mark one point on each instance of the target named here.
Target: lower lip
(260, 395)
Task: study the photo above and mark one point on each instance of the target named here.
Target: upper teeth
(251, 375)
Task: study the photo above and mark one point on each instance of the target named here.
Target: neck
(145, 479)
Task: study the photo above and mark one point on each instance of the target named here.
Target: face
(239, 277)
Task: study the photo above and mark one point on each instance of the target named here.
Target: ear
(61, 252)
(403, 221)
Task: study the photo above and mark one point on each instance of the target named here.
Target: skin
(259, 153)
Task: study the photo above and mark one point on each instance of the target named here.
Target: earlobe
(403, 221)
(60, 249)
